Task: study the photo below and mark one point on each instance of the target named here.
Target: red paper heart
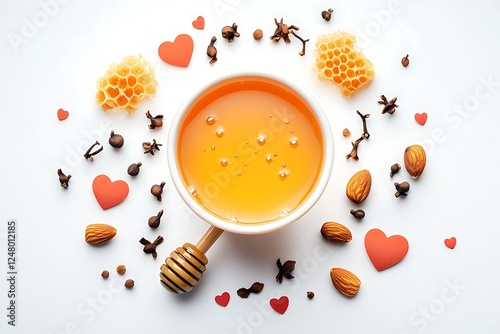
(451, 242)
(421, 118)
(62, 114)
(279, 305)
(107, 193)
(383, 251)
(199, 23)
(222, 299)
(177, 53)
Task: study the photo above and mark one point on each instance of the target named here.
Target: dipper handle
(184, 268)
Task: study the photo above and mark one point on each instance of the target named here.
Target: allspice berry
(116, 140)
(129, 283)
(257, 34)
(121, 269)
(134, 169)
(105, 274)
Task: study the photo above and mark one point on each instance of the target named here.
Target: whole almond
(358, 187)
(97, 234)
(345, 281)
(336, 232)
(415, 160)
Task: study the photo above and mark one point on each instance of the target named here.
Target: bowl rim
(314, 196)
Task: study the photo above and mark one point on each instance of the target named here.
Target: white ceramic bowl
(225, 225)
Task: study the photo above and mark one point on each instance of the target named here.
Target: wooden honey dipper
(184, 268)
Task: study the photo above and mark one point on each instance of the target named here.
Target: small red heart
(62, 114)
(107, 193)
(222, 299)
(421, 118)
(279, 305)
(451, 242)
(383, 251)
(199, 23)
(177, 53)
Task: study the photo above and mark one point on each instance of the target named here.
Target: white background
(453, 48)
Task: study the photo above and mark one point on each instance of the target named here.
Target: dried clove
(154, 221)
(284, 270)
(365, 135)
(255, 288)
(310, 294)
(303, 51)
(354, 152)
(257, 34)
(327, 14)
(282, 31)
(358, 214)
(405, 61)
(157, 190)
(394, 169)
(151, 147)
(63, 178)
(363, 119)
(134, 169)
(389, 106)
(230, 32)
(212, 50)
(156, 121)
(90, 155)
(401, 188)
(116, 140)
(150, 247)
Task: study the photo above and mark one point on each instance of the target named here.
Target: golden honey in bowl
(250, 150)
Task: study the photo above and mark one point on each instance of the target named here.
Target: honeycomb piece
(124, 85)
(336, 60)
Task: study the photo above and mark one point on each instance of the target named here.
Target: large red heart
(421, 118)
(383, 251)
(222, 299)
(107, 193)
(451, 243)
(199, 23)
(279, 305)
(177, 53)
(62, 114)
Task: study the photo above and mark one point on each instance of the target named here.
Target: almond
(97, 234)
(415, 160)
(358, 187)
(336, 232)
(346, 282)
